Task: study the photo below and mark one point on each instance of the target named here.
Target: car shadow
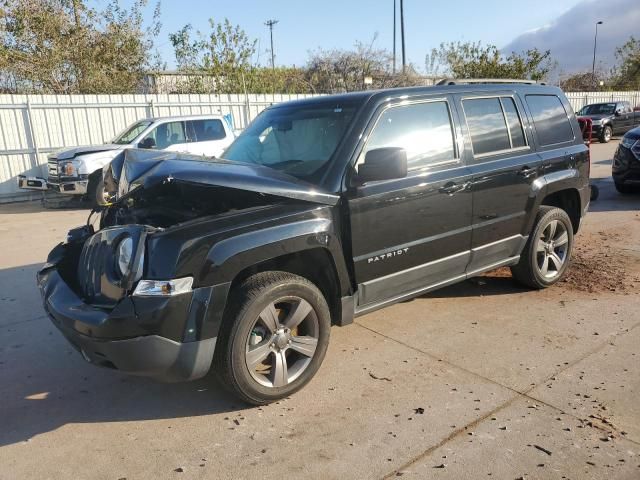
(497, 282)
(45, 384)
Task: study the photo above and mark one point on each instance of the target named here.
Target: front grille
(92, 266)
(52, 170)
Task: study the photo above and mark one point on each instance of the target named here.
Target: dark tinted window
(513, 120)
(486, 125)
(422, 129)
(207, 130)
(550, 119)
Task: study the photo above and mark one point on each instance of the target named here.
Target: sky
(565, 26)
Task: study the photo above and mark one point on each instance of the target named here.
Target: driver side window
(423, 130)
(165, 135)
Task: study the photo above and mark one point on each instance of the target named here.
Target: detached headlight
(163, 288)
(68, 169)
(124, 255)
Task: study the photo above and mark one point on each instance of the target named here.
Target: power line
(270, 24)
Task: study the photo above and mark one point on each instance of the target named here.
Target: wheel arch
(567, 199)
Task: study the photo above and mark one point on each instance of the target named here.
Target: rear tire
(547, 253)
(274, 337)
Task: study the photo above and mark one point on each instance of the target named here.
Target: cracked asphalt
(483, 379)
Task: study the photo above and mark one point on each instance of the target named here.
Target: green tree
(474, 60)
(66, 46)
(224, 53)
(626, 75)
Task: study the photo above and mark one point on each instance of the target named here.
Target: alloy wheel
(551, 249)
(282, 342)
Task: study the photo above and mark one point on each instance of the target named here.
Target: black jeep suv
(321, 210)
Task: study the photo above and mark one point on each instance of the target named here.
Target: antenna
(270, 24)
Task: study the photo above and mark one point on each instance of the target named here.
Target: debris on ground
(375, 377)
(596, 265)
(542, 449)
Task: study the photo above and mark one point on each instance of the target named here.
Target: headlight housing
(632, 144)
(596, 122)
(163, 288)
(124, 259)
(68, 169)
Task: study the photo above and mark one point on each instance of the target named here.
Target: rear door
(210, 137)
(411, 233)
(503, 165)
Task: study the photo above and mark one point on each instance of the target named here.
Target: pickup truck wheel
(547, 253)
(607, 133)
(275, 337)
(96, 194)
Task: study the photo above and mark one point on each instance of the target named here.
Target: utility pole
(394, 37)
(404, 58)
(593, 67)
(270, 24)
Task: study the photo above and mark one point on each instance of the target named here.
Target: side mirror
(148, 142)
(617, 113)
(383, 164)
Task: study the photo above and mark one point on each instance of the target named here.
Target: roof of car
(174, 118)
(363, 96)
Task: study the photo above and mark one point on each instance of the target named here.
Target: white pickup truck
(78, 170)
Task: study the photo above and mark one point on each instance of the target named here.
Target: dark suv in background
(610, 118)
(321, 210)
(626, 163)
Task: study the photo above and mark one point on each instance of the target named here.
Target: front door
(412, 233)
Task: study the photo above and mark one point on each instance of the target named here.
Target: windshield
(598, 109)
(130, 133)
(298, 140)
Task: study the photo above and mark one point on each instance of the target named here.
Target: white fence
(580, 99)
(31, 126)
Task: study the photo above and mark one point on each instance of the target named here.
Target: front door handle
(527, 172)
(452, 188)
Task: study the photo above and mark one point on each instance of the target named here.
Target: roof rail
(463, 81)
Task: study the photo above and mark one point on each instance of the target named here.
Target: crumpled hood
(70, 153)
(147, 168)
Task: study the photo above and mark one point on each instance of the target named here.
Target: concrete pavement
(480, 380)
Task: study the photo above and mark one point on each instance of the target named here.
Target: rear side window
(423, 130)
(487, 125)
(208, 130)
(550, 118)
(514, 123)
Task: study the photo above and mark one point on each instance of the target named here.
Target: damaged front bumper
(72, 187)
(154, 337)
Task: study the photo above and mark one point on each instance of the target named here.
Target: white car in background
(78, 170)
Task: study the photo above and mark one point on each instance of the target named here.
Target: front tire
(623, 188)
(547, 253)
(607, 133)
(274, 337)
(96, 194)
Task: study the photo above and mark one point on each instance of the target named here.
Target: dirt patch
(597, 265)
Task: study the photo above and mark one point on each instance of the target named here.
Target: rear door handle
(452, 188)
(527, 172)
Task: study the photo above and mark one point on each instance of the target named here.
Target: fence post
(32, 134)
(150, 109)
